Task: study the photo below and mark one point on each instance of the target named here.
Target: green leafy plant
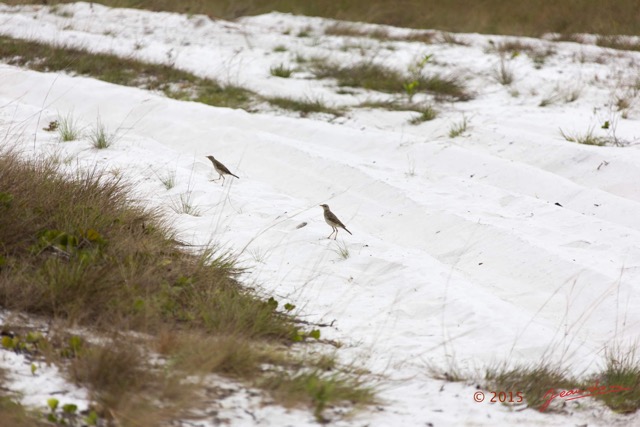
(415, 75)
(299, 335)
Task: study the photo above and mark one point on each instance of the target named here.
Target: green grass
(67, 128)
(621, 370)
(281, 71)
(78, 251)
(534, 381)
(320, 388)
(617, 385)
(168, 180)
(304, 107)
(100, 137)
(123, 71)
(427, 113)
(587, 138)
(458, 128)
(371, 76)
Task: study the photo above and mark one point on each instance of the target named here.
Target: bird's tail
(234, 175)
(345, 229)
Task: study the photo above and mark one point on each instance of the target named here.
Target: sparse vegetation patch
(123, 71)
(304, 107)
(77, 251)
(372, 76)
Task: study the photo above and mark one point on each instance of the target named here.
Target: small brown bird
(221, 169)
(333, 221)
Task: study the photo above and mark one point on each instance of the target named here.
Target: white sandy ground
(460, 254)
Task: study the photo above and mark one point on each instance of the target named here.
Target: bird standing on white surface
(221, 169)
(333, 221)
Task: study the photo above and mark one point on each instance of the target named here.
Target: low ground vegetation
(372, 76)
(77, 251)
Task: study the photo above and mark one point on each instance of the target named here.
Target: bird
(221, 169)
(333, 221)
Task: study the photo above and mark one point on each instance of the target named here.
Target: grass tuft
(534, 381)
(281, 71)
(304, 107)
(621, 371)
(184, 205)
(67, 128)
(588, 138)
(101, 138)
(427, 113)
(319, 389)
(458, 128)
(168, 180)
(503, 73)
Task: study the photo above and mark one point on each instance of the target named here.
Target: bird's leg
(336, 236)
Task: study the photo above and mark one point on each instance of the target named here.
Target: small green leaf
(289, 306)
(52, 418)
(34, 368)
(606, 125)
(52, 403)
(92, 418)
(271, 302)
(7, 342)
(315, 334)
(296, 336)
(69, 408)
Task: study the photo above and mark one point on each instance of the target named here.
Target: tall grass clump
(100, 137)
(622, 371)
(67, 128)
